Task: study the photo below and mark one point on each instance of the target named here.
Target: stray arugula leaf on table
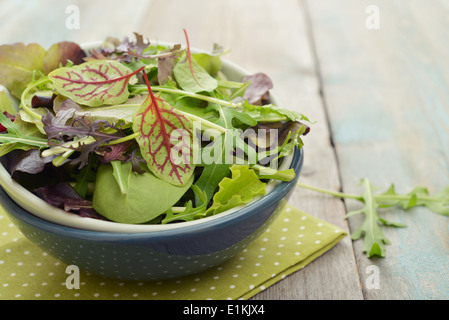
(370, 230)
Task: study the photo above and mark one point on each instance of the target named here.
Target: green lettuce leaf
(240, 189)
(18, 63)
(6, 102)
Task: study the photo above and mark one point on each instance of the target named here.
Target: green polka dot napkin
(292, 241)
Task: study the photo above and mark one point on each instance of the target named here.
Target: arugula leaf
(370, 230)
(419, 196)
(240, 189)
(270, 113)
(188, 213)
(210, 178)
(19, 136)
(84, 177)
(122, 173)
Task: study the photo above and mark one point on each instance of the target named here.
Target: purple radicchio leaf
(115, 151)
(63, 196)
(166, 63)
(123, 51)
(43, 101)
(61, 53)
(28, 161)
(58, 132)
(258, 89)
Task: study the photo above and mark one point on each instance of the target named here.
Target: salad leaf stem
(27, 90)
(31, 141)
(381, 198)
(203, 121)
(231, 84)
(68, 146)
(137, 89)
(240, 91)
(270, 173)
(58, 161)
(127, 138)
(330, 192)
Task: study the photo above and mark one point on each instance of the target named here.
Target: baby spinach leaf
(210, 62)
(146, 198)
(240, 189)
(191, 77)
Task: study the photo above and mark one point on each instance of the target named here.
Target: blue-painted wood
(387, 96)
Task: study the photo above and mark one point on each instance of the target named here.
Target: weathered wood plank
(264, 36)
(386, 95)
(49, 21)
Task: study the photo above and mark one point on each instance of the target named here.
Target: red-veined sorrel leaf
(159, 124)
(94, 83)
(190, 76)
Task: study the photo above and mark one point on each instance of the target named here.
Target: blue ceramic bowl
(155, 255)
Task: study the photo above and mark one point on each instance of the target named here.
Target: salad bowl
(148, 251)
(155, 255)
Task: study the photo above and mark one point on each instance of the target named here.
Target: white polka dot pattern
(291, 242)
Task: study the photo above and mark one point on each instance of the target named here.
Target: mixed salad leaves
(136, 132)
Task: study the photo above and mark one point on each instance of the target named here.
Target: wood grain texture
(266, 37)
(386, 95)
(44, 21)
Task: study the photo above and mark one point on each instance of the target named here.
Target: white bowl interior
(43, 210)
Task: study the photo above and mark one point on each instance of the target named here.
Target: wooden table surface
(379, 96)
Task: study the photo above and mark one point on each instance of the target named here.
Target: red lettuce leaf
(63, 196)
(259, 87)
